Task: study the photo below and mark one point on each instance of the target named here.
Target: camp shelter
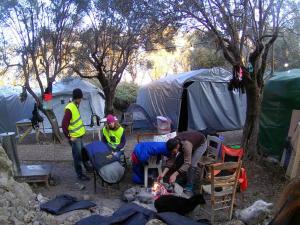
(12, 109)
(141, 119)
(197, 99)
(281, 96)
(92, 103)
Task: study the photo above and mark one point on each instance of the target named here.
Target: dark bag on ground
(65, 203)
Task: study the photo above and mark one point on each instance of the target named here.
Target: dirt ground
(266, 180)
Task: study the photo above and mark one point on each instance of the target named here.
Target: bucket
(163, 125)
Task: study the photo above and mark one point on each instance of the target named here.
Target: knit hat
(110, 118)
(77, 93)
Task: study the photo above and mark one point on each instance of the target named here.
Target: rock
(104, 211)
(5, 164)
(255, 213)
(20, 206)
(231, 222)
(29, 217)
(145, 197)
(129, 194)
(41, 198)
(155, 222)
(86, 197)
(4, 203)
(80, 186)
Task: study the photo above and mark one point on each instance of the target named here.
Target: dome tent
(92, 103)
(197, 100)
(12, 110)
(281, 96)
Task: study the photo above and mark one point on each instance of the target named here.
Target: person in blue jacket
(140, 155)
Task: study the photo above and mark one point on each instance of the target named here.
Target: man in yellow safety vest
(74, 130)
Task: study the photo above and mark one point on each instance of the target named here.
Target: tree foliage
(244, 30)
(114, 32)
(40, 38)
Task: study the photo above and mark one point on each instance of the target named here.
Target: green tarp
(281, 96)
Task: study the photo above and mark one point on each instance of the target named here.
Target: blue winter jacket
(144, 150)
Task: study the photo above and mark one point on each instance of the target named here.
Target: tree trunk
(251, 127)
(48, 113)
(109, 100)
(54, 124)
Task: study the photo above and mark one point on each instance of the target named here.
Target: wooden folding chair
(128, 121)
(223, 198)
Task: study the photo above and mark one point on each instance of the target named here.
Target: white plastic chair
(153, 162)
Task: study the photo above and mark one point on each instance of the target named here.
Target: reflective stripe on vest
(113, 137)
(76, 127)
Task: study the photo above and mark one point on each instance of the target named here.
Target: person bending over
(186, 150)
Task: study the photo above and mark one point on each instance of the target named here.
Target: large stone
(29, 217)
(256, 213)
(5, 164)
(41, 199)
(155, 222)
(104, 211)
(231, 222)
(129, 194)
(145, 197)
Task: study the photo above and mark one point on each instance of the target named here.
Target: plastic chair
(154, 162)
(223, 198)
(232, 154)
(128, 121)
(213, 147)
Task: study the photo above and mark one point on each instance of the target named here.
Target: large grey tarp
(13, 110)
(202, 96)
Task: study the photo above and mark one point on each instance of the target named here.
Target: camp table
(26, 126)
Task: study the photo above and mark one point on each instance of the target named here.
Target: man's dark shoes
(83, 177)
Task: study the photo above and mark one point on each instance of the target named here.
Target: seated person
(113, 135)
(141, 154)
(186, 150)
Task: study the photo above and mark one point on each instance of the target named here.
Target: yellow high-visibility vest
(76, 127)
(113, 137)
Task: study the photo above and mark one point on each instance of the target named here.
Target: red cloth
(48, 97)
(243, 180)
(134, 159)
(65, 122)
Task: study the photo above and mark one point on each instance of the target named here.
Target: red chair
(230, 154)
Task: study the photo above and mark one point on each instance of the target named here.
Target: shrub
(126, 94)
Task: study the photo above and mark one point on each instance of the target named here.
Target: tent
(12, 109)
(141, 119)
(92, 103)
(197, 100)
(281, 96)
